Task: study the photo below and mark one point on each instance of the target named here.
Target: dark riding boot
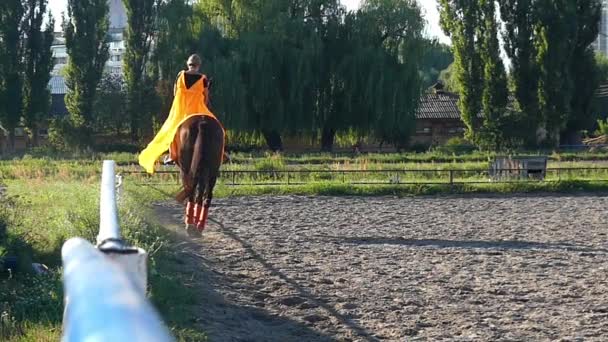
(190, 213)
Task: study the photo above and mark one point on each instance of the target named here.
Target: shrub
(456, 145)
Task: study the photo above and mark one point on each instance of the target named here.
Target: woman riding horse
(188, 119)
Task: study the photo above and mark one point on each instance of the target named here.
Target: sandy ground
(516, 268)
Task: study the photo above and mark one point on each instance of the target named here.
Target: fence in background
(384, 176)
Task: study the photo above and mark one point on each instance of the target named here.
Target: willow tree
(325, 27)
(387, 55)
(268, 42)
(174, 41)
(436, 57)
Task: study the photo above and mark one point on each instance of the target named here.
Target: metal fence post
(105, 287)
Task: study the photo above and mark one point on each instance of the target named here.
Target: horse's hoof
(192, 231)
(195, 234)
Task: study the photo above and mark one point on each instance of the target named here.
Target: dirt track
(428, 269)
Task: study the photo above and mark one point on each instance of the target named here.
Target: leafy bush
(602, 127)
(420, 148)
(271, 163)
(456, 145)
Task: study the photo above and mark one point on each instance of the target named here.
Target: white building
(601, 44)
(118, 22)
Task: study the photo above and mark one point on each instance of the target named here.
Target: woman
(191, 93)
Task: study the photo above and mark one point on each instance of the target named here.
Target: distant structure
(118, 23)
(601, 44)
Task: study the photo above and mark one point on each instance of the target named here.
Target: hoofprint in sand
(515, 268)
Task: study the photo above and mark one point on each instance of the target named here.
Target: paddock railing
(382, 176)
(105, 285)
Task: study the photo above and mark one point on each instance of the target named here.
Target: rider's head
(194, 62)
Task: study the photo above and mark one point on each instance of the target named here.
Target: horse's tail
(189, 178)
(197, 154)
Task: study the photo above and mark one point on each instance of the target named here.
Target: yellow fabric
(187, 102)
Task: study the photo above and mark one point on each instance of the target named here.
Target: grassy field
(38, 213)
(47, 200)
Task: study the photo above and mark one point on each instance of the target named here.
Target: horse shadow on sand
(357, 330)
(224, 319)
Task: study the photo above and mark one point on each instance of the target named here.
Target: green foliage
(436, 58)
(519, 18)
(63, 135)
(448, 78)
(310, 68)
(495, 93)
(85, 34)
(461, 21)
(38, 65)
(110, 104)
(553, 74)
(555, 32)
(272, 163)
(602, 127)
(175, 41)
(11, 54)
(601, 62)
(31, 306)
(456, 145)
(586, 74)
(141, 18)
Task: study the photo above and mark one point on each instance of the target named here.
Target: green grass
(38, 216)
(166, 191)
(50, 200)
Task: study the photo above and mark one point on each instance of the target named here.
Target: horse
(201, 152)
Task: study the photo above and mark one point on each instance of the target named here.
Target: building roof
(57, 85)
(438, 104)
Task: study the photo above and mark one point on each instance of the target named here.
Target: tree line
(548, 96)
(306, 68)
(310, 68)
(25, 64)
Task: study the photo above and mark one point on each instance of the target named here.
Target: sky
(429, 8)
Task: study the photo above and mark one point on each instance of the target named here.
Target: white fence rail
(105, 286)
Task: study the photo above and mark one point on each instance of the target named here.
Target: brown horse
(201, 144)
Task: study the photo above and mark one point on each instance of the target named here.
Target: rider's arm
(206, 89)
(175, 84)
